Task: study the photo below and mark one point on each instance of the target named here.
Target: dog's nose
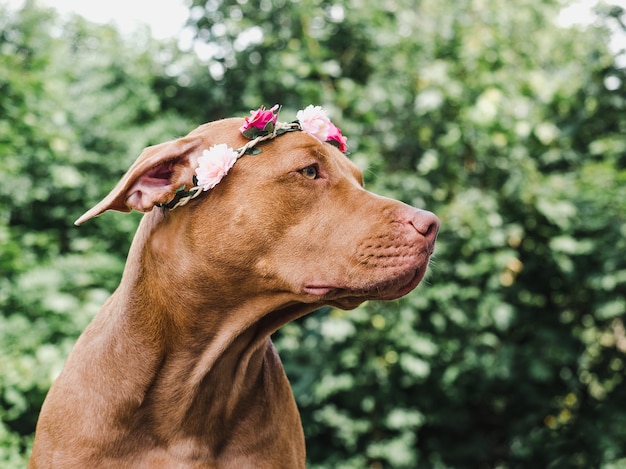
(427, 224)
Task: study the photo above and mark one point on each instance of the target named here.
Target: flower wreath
(261, 125)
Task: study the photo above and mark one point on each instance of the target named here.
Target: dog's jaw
(349, 298)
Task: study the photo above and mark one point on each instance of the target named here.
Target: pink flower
(314, 121)
(336, 138)
(261, 120)
(214, 164)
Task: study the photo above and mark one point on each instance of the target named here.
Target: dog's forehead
(287, 147)
(228, 131)
(221, 131)
(300, 148)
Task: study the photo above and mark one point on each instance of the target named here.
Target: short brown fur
(177, 370)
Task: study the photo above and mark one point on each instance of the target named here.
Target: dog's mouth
(347, 297)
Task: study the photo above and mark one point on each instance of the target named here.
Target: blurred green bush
(510, 127)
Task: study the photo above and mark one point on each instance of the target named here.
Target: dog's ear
(154, 178)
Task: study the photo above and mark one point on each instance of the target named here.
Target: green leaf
(254, 132)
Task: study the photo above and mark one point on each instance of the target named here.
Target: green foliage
(510, 128)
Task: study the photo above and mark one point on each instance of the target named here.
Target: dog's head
(293, 219)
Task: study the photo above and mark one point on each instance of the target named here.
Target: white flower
(214, 164)
(314, 121)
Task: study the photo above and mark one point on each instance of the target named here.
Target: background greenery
(508, 126)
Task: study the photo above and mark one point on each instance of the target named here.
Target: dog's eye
(310, 172)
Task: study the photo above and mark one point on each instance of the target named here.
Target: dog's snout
(427, 224)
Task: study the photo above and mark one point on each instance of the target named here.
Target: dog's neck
(205, 348)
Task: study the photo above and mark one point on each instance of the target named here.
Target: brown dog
(177, 370)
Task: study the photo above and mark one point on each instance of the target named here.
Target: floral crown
(261, 125)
